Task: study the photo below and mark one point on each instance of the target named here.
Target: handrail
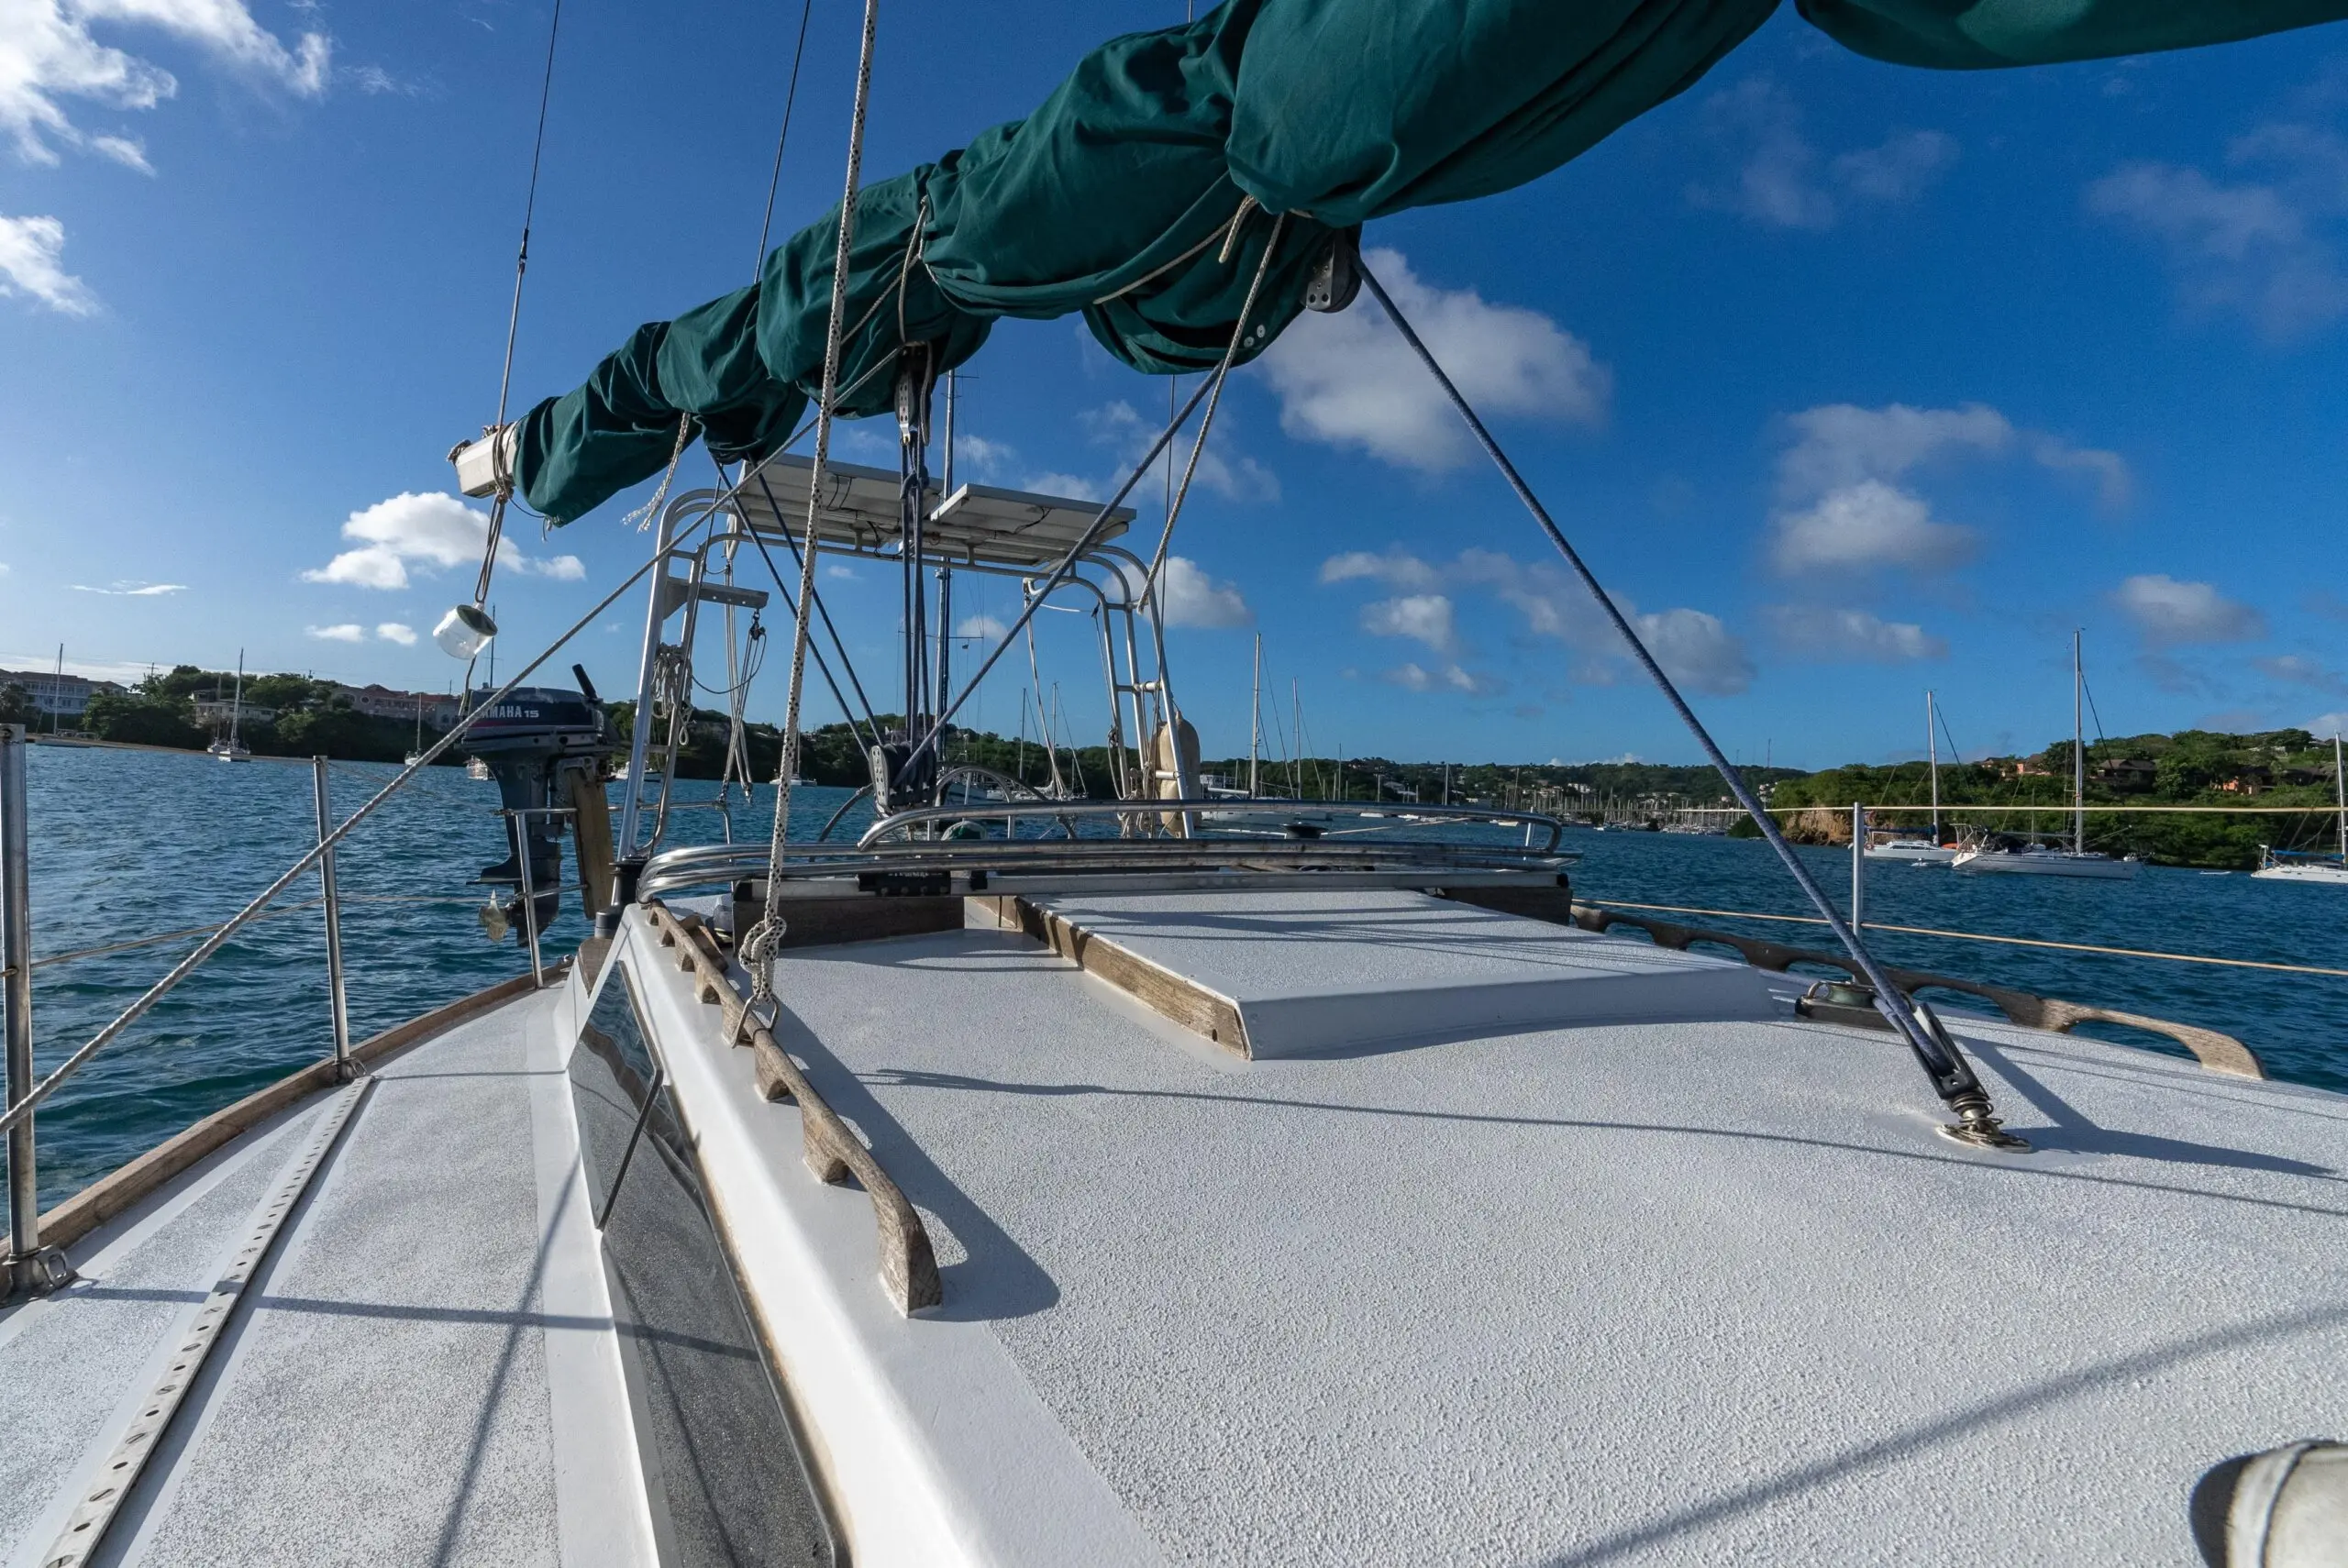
(23, 1109)
(975, 858)
(831, 1148)
(1223, 805)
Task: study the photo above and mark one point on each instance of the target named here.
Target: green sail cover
(1118, 197)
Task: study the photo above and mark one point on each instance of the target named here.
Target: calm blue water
(128, 843)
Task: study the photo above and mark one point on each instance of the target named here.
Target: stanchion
(338, 1000)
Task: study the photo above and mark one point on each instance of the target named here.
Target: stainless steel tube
(340, 1002)
(519, 822)
(1858, 865)
(15, 965)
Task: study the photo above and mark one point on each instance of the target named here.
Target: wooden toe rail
(2219, 1053)
(832, 1149)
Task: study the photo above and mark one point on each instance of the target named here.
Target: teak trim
(1173, 996)
(832, 1152)
(2217, 1053)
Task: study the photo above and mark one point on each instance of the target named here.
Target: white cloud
(428, 531)
(1118, 425)
(2323, 726)
(983, 627)
(2297, 670)
(2114, 482)
(347, 632)
(126, 590)
(2261, 245)
(1444, 677)
(31, 252)
(1423, 616)
(1849, 636)
(1397, 569)
(1777, 181)
(127, 672)
(1068, 487)
(1193, 599)
(843, 574)
(1841, 444)
(47, 53)
(394, 632)
(1349, 380)
(1868, 524)
(976, 455)
(1696, 650)
(1901, 169)
(128, 151)
(1692, 645)
(1842, 504)
(2169, 612)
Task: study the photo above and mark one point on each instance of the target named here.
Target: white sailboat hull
(2330, 876)
(1918, 854)
(2090, 866)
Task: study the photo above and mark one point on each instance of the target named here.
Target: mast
(236, 707)
(1256, 723)
(2340, 793)
(1932, 750)
(57, 691)
(2078, 754)
(946, 578)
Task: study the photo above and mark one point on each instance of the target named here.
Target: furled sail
(1141, 192)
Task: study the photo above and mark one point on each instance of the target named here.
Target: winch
(549, 751)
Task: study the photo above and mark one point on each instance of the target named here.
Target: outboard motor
(548, 747)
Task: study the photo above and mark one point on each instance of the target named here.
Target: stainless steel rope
(1206, 420)
(1944, 1063)
(212, 944)
(514, 317)
(761, 943)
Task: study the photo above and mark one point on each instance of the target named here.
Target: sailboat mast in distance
(1932, 752)
(2078, 752)
(1255, 725)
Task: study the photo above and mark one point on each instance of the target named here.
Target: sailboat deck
(1676, 1292)
(393, 1388)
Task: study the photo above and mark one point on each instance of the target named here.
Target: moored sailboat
(2282, 866)
(2050, 860)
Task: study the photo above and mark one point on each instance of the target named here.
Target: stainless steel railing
(26, 1266)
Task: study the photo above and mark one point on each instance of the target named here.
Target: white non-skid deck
(391, 1389)
(1686, 1292)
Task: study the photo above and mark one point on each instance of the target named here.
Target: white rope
(760, 945)
(642, 516)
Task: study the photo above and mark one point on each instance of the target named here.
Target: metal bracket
(38, 1275)
(675, 591)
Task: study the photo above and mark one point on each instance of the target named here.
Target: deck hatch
(726, 1480)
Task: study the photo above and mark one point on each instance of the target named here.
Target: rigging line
(513, 315)
(774, 180)
(822, 666)
(1066, 569)
(1942, 1061)
(1206, 420)
(759, 945)
(848, 665)
(529, 211)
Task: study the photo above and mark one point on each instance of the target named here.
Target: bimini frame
(1015, 535)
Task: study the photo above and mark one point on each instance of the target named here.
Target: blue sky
(1849, 379)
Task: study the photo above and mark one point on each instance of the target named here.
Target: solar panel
(977, 522)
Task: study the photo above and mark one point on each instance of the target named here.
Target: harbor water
(126, 845)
